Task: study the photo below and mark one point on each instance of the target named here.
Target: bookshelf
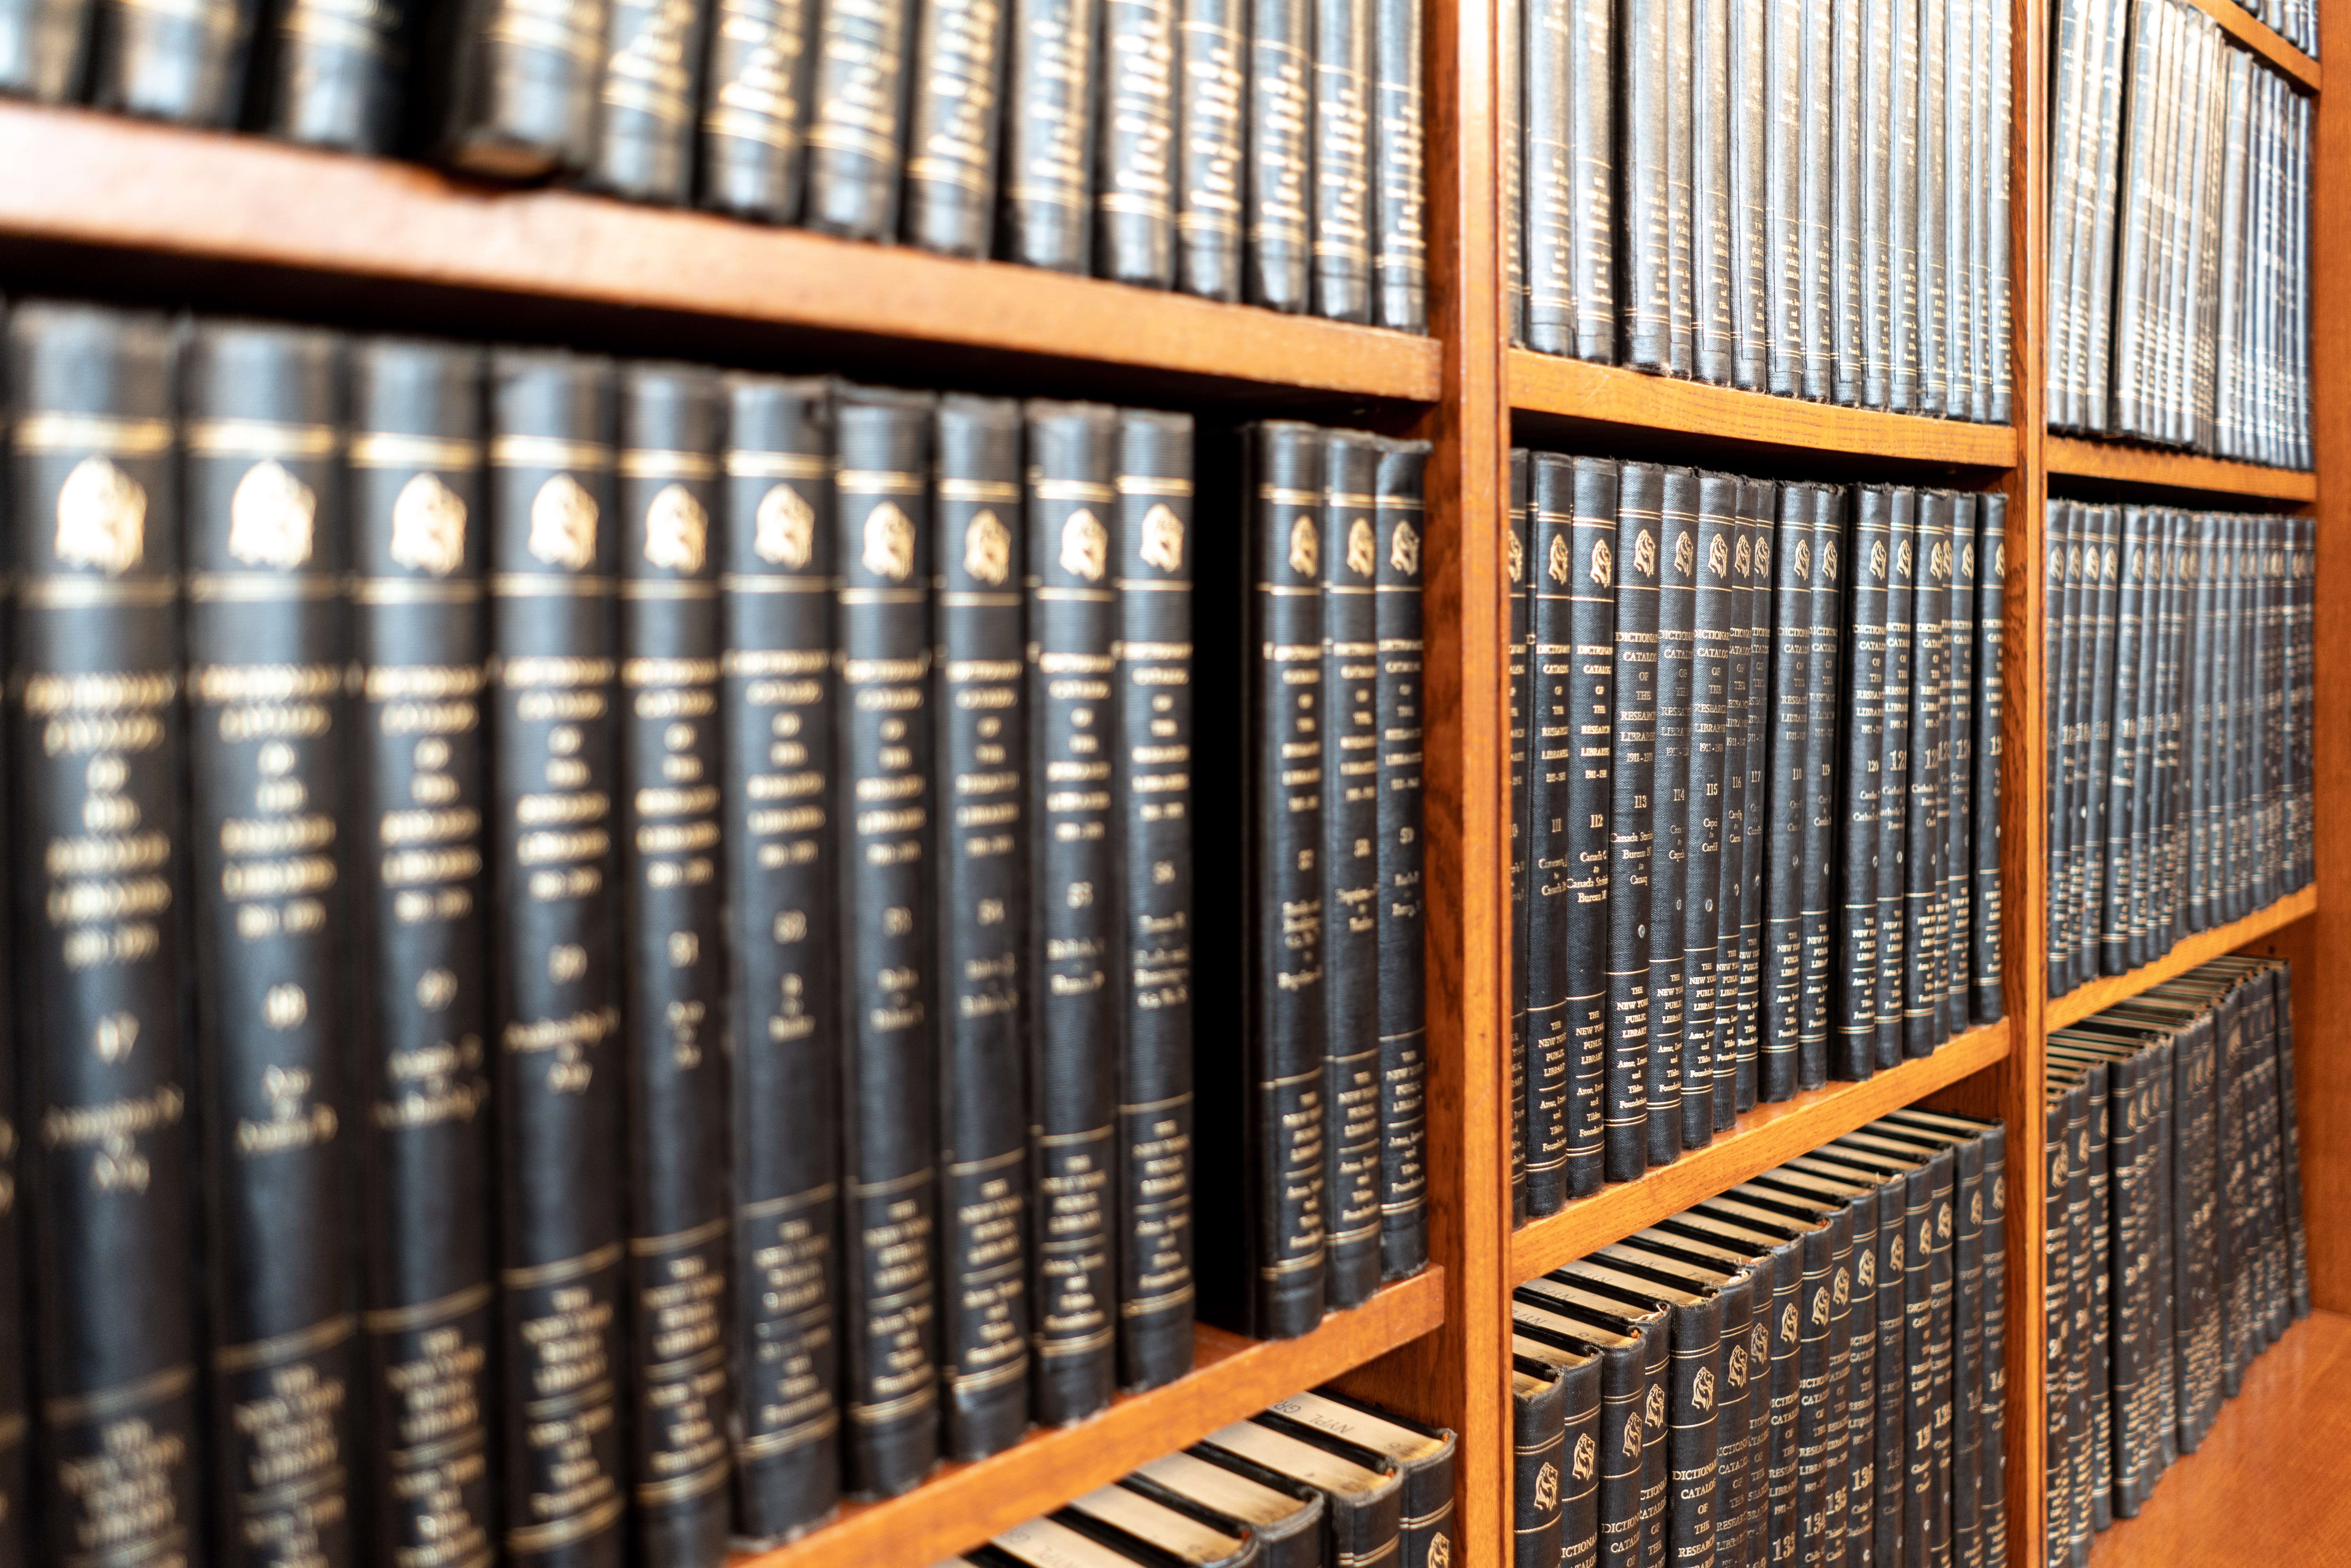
(94, 204)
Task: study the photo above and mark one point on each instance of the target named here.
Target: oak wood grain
(2094, 996)
(2123, 463)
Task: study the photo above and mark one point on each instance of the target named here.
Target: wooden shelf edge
(1766, 1136)
(1612, 395)
(2094, 996)
(962, 1505)
(2088, 458)
(2264, 40)
(107, 182)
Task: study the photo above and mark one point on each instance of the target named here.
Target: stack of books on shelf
(610, 947)
(2175, 1241)
(2181, 688)
(2180, 236)
(1755, 785)
(1272, 153)
(1809, 199)
(1810, 1367)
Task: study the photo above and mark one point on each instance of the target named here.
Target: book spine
(15, 1451)
(420, 1018)
(554, 957)
(48, 45)
(1554, 686)
(954, 125)
(1852, 999)
(1821, 814)
(1398, 170)
(164, 63)
(649, 85)
(1894, 773)
(1861, 1388)
(777, 688)
(1631, 819)
(1994, 1406)
(1815, 175)
(1953, 517)
(1590, 848)
(1547, 171)
(1538, 1450)
(1733, 1402)
(1934, 294)
(1967, 1364)
(320, 74)
(1281, 153)
(267, 651)
(1710, 186)
(1646, 272)
(1710, 657)
(1048, 184)
(1749, 116)
(1694, 1435)
(888, 1127)
(1657, 1351)
(1876, 178)
(1730, 886)
(1783, 240)
(1757, 524)
(1579, 1501)
(1997, 100)
(1516, 657)
(520, 89)
(1959, 772)
(1669, 793)
(1844, 200)
(1210, 170)
(1510, 105)
(1922, 866)
(96, 652)
(1786, 578)
(1901, 109)
(982, 736)
(1777, 1535)
(674, 1023)
(1985, 921)
(1134, 123)
(1681, 212)
(1594, 213)
(1403, 898)
(755, 108)
(1154, 875)
(1809, 1498)
(1920, 1494)
(856, 115)
(1340, 159)
(2120, 786)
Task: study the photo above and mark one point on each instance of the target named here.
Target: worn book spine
(1894, 772)
(1710, 90)
(1047, 189)
(1680, 210)
(1553, 686)
(1871, 110)
(648, 86)
(1510, 108)
(1996, 238)
(1631, 818)
(1694, 1433)
(1815, 172)
(1546, 212)
(1854, 990)
(1901, 109)
(1133, 120)
(856, 135)
(1959, 771)
(1846, 28)
(1756, 523)
(1154, 559)
(1516, 656)
(1400, 537)
(1820, 811)
(1934, 369)
(755, 108)
(674, 1025)
(777, 692)
(1787, 588)
(887, 1037)
(555, 958)
(1341, 160)
(516, 88)
(1669, 795)
(1593, 221)
(1538, 1461)
(954, 124)
(1710, 656)
(419, 1022)
(267, 647)
(1644, 110)
(15, 1451)
(1783, 240)
(1281, 155)
(321, 73)
(1738, 612)
(1984, 892)
(1749, 117)
(1211, 42)
(1398, 168)
(96, 661)
(1922, 863)
(1590, 846)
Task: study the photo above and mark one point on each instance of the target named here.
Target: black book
(954, 122)
(1589, 849)
(1134, 124)
(1954, 904)
(1895, 759)
(1703, 816)
(1901, 109)
(981, 731)
(1554, 920)
(1644, 271)
(1516, 657)
(1921, 1001)
(1845, 91)
(1738, 597)
(755, 108)
(515, 90)
(1755, 523)
(1613, 1424)
(1539, 1391)
(324, 76)
(267, 646)
(855, 135)
(1814, 169)
(647, 91)
(1749, 121)
(1594, 220)
(1679, 206)
(1782, 67)
(881, 791)
(1852, 997)
(555, 954)
(1155, 541)
(1422, 1455)
(186, 65)
(1280, 154)
(778, 686)
(1631, 818)
(1510, 110)
(1815, 903)
(1927, 1330)
(1286, 1521)
(98, 654)
(1260, 1028)
(1341, 160)
(2117, 703)
(1143, 1530)
(1403, 892)
(1934, 368)
(2058, 653)
(1076, 998)
(1873, 109)
(47, 47)
(16, 1452)
(1985, 754)
(1787, 590)
(1048, 186)
(1548, 177)
(420, 1015)
(1678, 578)
(1635, 1354)
(1398, 168)
(1363, 1492)
(1710, 113)
(674, 1024)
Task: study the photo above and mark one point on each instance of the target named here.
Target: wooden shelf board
(1766, 1136)
(2264, 40)
(2103, 992)
(92, 184)
(1730, 420)
(2270, 1483)
(961, 1505)
(2123, 463)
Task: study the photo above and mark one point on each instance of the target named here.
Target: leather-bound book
(650, 85)
(1702, 814)
(1677, 572)
(1517, 656)
(1144, 1531)
(1710, 113)
(1608, 1531)
(1790, 595)
(676, 1027)
(777, 692)
(1816, 895)
(1571, 1309)
(1984, 880)
(1211, 182)
(1341, 160)
(1755, 522)
(856, 117)
(268, 648)
(1134, 124)
(1398, 168)
(1547, 176)
(166, 62)
(555, 546)
(1782, 56)
(1643, 196)
(1895, 757)
(333, 75)
(1362, 1490)
(1539, 1389)
(1738, 602)
(1592, 227)
(1280, 152)
(43, 47)
(954, 127)
(419, 911)
(1679, 206)
(513, 87)
(1555, 922)
(1422, 1454)
(1853, 989)
(1591, 798)
(755, 108)
(1815, 172)
(1632, 821)
(1154, 546)
(1846, 28)
(1399, 539)
(101, 994)
(1286, 1521)
(1922, 863)
(1750, 120)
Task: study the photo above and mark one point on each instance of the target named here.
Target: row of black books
(1318, 1480)
(1808, 1368)
(609, 947)
(1809, 199)
(1270, 152)
(2179, 711)
(2296, 21)
(1755, 783)
(2179, 234)
(2175, 1241)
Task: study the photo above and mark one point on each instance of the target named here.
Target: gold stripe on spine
(425, 1314)
(82, 432)
(890, 1410)
(392, 449)
(257, 438)
(564, 1532)
(653, 1246)
(546, 585)
(776, 466)
(663, 588)
(649, 462)
(977, 491)
(791, 1437)
(1067, 489)
(413, 591)
(82, 592)
(564, 1269)
(263, 587)
(285, 1346)
(1290, 498)
(122, 1399)
(767, 1207)
(547, 452)
(1152, 485)
(877, 482)
(774, 582)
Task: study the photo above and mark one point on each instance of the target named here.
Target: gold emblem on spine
(1163, 539)
(1644, 553)
(1362, 556)
(1547, 1488)
(271, 517)
(1877, 559)
(1632, 1443)
(1802, 561)
(1735, 1368)
(563, 524)
(1404, 548)
(1902, 557)
(889, 542)
(1968, 560)
(1603, 564)
(428, 527)
(1556, 564)
(1828, 560)
(1702, 1389)
(1717, 555)
(1762, 557)
(987, 548)
(1587, 1454)
(1305, 550)
(1085, 546)
(1743, 557)
(677, 529)
(1653, 1415)
(784, 528)
(101, 518)
(1685, 551)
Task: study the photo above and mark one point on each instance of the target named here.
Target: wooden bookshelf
(962, 1505)
(2092, 995)
(1766, 1136)
(2122, 463)
(2265, 41)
